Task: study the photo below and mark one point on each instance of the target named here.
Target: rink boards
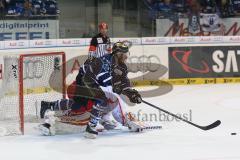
(175, 60)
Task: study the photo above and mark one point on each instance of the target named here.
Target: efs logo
(182, 57)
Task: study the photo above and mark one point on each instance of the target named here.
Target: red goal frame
(21, 85)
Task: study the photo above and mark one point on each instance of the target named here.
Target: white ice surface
(176, 141)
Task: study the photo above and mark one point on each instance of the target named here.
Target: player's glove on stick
(133, 95)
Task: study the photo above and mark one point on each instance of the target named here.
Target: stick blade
(211, 126)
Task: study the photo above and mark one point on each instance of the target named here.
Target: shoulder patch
(99, 40)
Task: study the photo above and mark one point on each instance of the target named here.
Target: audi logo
(33, 69)
(143, 64)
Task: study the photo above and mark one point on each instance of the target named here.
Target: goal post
(28, 78)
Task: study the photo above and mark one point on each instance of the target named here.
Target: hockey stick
(149, 128)
(138, 130)
(205, 128)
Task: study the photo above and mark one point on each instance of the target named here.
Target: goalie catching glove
(133, 95)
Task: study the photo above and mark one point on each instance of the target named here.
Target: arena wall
(152, 60)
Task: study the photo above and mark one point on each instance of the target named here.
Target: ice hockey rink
(176, 140)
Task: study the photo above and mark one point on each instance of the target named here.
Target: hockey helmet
(120, 47)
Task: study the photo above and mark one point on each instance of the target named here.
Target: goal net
(28, 79)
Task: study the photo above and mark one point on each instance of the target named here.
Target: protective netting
(43, 76)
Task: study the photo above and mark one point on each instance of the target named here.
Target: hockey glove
(133, 95)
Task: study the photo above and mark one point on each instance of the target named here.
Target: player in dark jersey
(100, 44)
(98, 84)
(107, 71)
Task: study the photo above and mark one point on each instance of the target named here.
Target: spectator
(11, 7)
(210, 19)
(180, 5)
(208, 6)
(50, 7)
(19, 8)
(194, 27)
(2, 9)
(236, 6)
(225, 8)
(27, 8)
(168, 10)
(152, 6)
(165, 7)
(37, 7)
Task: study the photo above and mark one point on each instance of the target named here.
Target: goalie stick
(150, 128)
(205, 128)
(139, 130)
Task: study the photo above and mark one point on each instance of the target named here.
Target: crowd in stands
(203, 15)
(28, 8)
(165, 8)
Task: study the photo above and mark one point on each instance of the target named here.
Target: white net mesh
(42, 80)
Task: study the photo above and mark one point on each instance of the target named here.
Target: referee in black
(100, 44)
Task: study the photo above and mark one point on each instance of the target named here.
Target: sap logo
(227, 62)
(24, 36)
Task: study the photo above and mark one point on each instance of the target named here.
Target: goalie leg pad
(48, 128)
